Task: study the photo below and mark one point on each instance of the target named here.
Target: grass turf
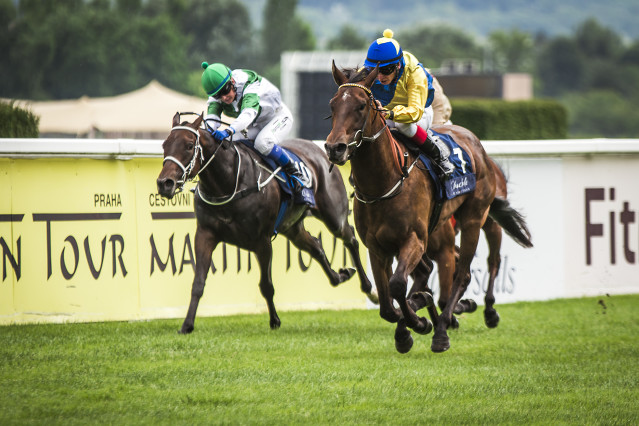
(558, 362)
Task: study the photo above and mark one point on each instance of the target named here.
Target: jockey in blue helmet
(405, 90)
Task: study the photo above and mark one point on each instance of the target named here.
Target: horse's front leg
(468, 246)
(409, 257)
(264, 255)
(381, 268)
(205, 243)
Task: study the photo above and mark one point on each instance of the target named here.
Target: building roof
(146, 111)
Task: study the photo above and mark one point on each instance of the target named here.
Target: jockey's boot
(436, 150)
(290, 167)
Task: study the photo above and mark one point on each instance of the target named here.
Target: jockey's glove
(222, 134)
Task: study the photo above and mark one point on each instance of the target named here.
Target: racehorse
(236, 204)
(397, 224)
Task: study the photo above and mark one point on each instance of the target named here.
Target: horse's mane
(356, 74)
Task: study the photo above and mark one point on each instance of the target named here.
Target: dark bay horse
(237, 201)
(397, 226)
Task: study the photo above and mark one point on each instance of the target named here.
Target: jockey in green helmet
(257, 110)
(404, 88)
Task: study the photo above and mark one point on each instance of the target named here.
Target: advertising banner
(90, 239)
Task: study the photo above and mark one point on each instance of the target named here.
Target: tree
(219, 31)
(433, 44)
(283, 30)
(560, 67)
(595, 41)
(348, 38)
(512, 51)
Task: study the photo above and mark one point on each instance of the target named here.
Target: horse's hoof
(186, 329)
(425, 328)
(441, 343)
(405, 345)
(345, 274)
(465, 305)
(275, 323)
(373, 297)
(491, 318)
(420, 300)
(454, 323)
(471, 305)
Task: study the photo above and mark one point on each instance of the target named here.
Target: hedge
(16, 122)
(494, 119)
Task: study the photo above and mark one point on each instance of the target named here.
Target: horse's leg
(300, 237)
(469, 239)
(420, 295)
(381, 269)
(493, 236)
(205, 243)
(409, 257)
(264, 255)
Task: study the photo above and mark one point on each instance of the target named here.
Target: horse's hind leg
(493, 236)
(205, 243)
(300, 237)
(468, 246)
(264, 255)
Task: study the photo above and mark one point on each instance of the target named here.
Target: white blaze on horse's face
(345, 96)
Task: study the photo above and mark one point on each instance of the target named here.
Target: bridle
(199, 153)
(186, 171)
(359, 138)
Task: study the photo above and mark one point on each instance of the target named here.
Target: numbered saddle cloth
(462, 179)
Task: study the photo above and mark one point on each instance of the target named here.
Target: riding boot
(436, 151)
(290, 167)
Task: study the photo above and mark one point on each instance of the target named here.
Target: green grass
(558, 362)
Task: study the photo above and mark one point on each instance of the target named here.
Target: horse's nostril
(165, 186)
(340, 148)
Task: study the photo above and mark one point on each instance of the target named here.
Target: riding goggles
(224, 90)
(388, 69)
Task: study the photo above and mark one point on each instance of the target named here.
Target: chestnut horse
(397, 225)
(237, 201)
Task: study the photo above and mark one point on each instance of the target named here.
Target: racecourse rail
(85, 237)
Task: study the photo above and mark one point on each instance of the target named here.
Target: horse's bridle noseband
(405, 170)
(359, 135)
(186, 171)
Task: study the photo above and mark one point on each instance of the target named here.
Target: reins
(199, 153)
(404, 169)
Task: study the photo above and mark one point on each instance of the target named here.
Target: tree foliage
(434, 44)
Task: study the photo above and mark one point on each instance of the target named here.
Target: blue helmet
(383, 51)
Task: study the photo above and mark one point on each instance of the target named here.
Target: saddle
(460, 182)
(462, 179)
(306, 196)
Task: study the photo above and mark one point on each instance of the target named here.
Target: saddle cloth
(462, 179)
(307, 196)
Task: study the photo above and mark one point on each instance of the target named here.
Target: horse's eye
(362, 106)
(190, 146)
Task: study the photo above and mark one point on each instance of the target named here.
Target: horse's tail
(511, 221)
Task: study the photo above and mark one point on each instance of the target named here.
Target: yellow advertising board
(90, 240)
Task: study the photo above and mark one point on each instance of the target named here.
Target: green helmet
(214, 77)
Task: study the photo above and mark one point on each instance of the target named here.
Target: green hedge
(495, 119)
(16, 122)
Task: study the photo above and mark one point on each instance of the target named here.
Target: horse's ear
(176, 119)
(197, 123)
(339, 77)
(370, 78)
